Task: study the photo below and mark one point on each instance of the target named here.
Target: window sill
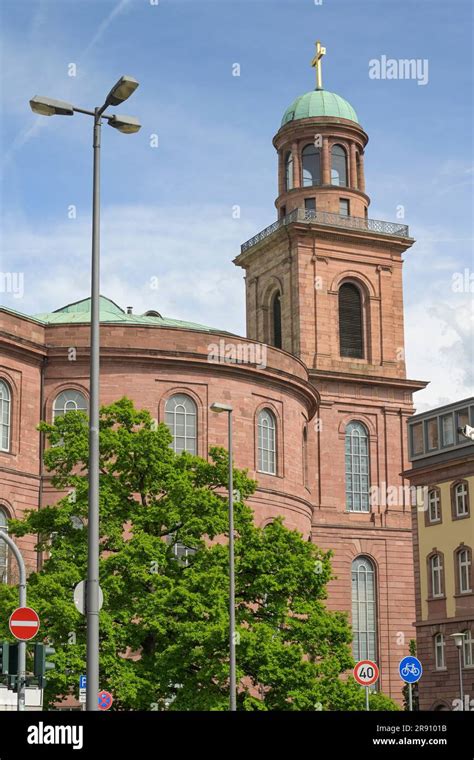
(461, 517)
(436, 598)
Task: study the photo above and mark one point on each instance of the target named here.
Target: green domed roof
(319, 103)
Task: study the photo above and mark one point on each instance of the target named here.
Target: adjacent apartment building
(443, 540)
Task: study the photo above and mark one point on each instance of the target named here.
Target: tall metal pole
(367, 703)
(22, 603)
(232, 677)
(410, 697)
(461, 685)
(92, 589)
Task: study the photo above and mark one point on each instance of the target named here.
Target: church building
(318, 386)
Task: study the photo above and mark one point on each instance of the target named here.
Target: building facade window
(460, 500)
(468, 649)
(434, 506)
(436, 576)
(5, 416)
(463, 557)
(289, 171)
(180, 416)
(364, 609)
(462, 419)
(276, 321)
(3, 547)
(69, 401)
(447, 430)
(305, 455)
(266, 455)
(351, 330)
(338, 166)
(310, 204)
(432, 434)
(344, 207)
(311, 165)
(357, 467)
(417, 438)
(439, 644)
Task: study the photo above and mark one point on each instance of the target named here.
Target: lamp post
(459, 641)
(218, 407)
(127, 124)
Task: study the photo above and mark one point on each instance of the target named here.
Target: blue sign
(410, 669)
(82, 682)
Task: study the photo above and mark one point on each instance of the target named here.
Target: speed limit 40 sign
(366, 672)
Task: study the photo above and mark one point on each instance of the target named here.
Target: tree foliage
(164, 623)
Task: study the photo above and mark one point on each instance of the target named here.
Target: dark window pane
(350, 321)
(432, 434)
(311, 160)
(417, 438)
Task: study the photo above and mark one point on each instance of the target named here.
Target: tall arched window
(436, 576)
(364, 611)
(463, 557)
(305, 455)
(276, 320)
(438, 643)
(460, 500)
(468, 649)
(69, 401)
(357, 468)
(266, 458)
(3, 548)
(351, 329)
(311, 165)
(338, 166)
(180, 416)
(5, 416)
(289, 171)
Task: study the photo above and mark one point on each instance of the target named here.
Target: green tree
(164, 623)
(414, 688)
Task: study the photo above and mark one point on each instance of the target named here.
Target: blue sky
(167, 211)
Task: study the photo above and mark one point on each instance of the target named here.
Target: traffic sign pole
(22, 600)
(367, 705)
(410, 698)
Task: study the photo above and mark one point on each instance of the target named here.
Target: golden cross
(316, 62)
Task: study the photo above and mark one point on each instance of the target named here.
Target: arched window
(438, 643)
(364, 611)
(463, 561)
(180, 416)
(351, 330)
(289, 171)
(356, 181)
(5, 416)
(305, 455)
(338, 166)
(69, 401)
(434, 505)
(357, 468)
(311, 166)
(436, 575)
(468, 649)
(266, 460)
(460, 500)
(276, 320)
(3, 548)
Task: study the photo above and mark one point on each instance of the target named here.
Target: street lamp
(219, 408)
(127, 124)
(459, 641)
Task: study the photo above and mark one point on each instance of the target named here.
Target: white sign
(366, 672)
(80, 597)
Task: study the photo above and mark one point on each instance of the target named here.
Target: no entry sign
(366, 672)
(24, 623)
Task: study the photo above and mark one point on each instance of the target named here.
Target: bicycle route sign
(410, 669)
(366, 672)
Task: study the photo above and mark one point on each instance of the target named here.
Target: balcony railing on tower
(330, 220)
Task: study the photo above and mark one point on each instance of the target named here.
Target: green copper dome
(319, 103)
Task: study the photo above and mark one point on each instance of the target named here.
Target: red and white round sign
(366, 672)
(24, 623)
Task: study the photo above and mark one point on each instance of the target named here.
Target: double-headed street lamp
(127, 124)
(218, 407)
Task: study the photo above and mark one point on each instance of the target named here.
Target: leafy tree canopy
(164, 623)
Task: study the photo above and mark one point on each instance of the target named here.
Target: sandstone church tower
(324, 283)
